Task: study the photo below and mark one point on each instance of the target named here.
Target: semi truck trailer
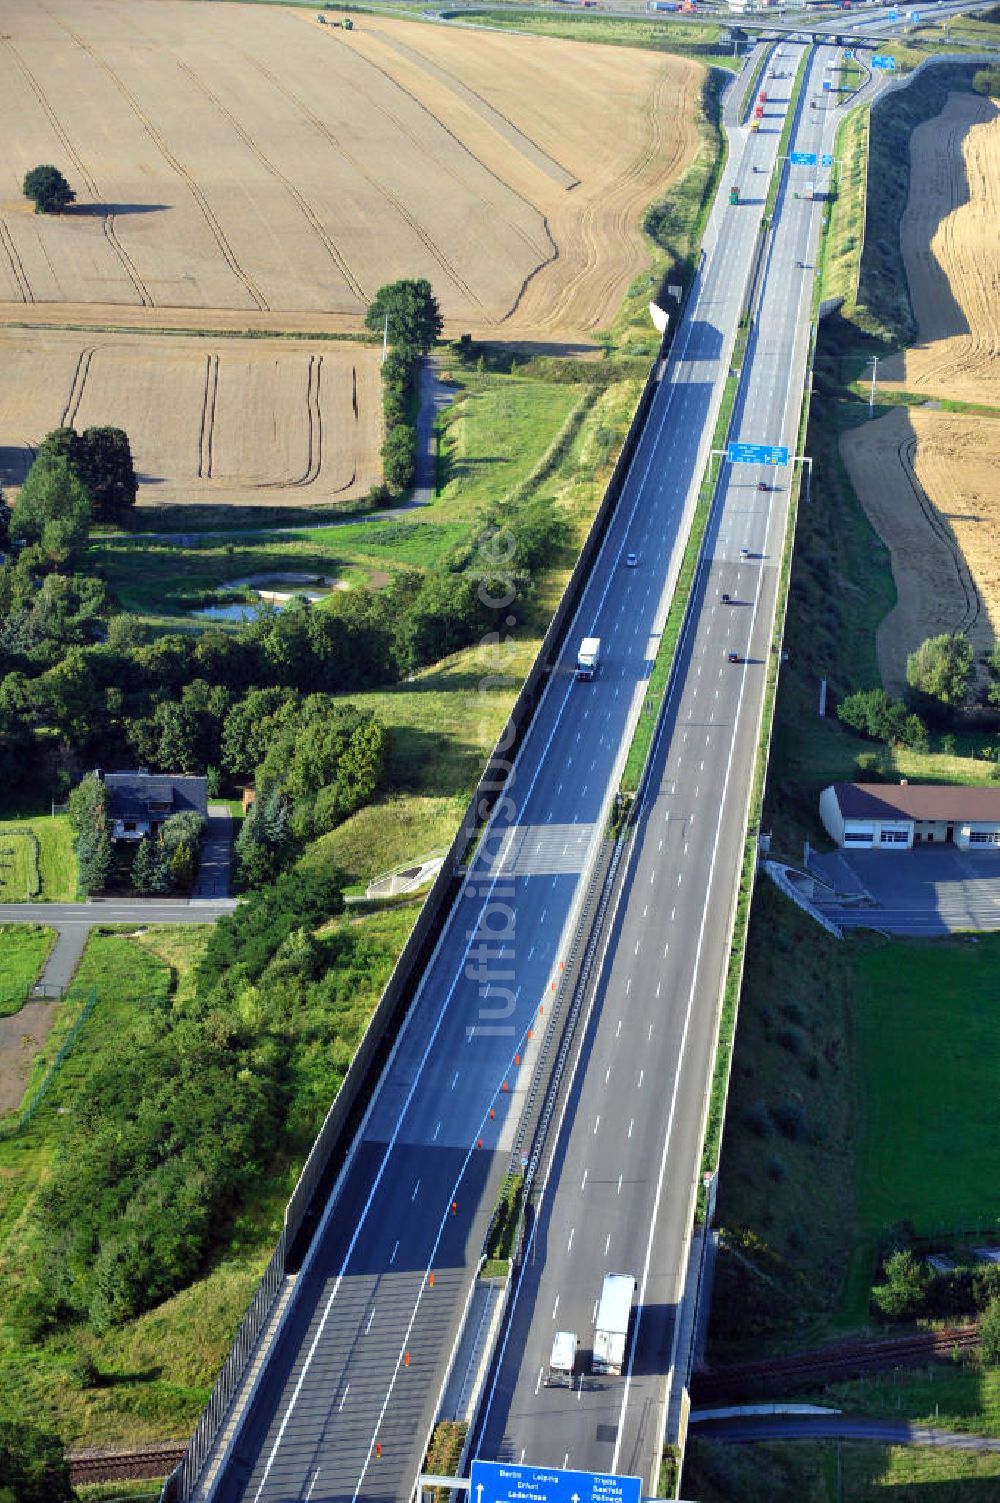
(611, 1327)
(588, 657)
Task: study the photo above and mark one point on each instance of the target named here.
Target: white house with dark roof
(139, 803)
(898, 816)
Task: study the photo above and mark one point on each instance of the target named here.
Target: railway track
(154, 1460)
(831, 1364)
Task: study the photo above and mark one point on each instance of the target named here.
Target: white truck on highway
(562, 1362)
(611, 1326)
(588, 656)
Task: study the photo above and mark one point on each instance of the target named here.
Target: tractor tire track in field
(85, 176)
(206, 435)
(16, 265)
(446, 266)
(487, 208)
(314, 434)
(218, 234)
(308, 212)
(906, 451)
(72, 407)
(501, 123)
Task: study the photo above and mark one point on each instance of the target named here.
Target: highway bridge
(348, 1391)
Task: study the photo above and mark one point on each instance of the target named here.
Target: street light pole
(871, 398)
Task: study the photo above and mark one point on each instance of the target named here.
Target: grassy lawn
(828, 1472)
(23, 951)
(50, 871)
(928, 1038)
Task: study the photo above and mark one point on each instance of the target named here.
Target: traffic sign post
(773, 454)
(802, 158)
(502, 1482)
(826, 160)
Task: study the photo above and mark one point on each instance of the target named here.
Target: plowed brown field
(247, 422)
(927, 481)
(952, 255)
(244, 167)
(248, 158)
(927, 478)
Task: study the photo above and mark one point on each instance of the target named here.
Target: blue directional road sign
(802, 158)
(827, 85)
(826, 160)
(848, 54)
(886, 63)
(500, 1482)
(757, 454)
(894, 15)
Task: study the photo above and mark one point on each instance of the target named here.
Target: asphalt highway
(619, 1198)
(350, 1388)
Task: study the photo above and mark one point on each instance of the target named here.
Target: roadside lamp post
(873, 359)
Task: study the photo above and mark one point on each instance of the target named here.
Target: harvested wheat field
(247, 158)
(240, 421)
(927, 481)
(952, 254)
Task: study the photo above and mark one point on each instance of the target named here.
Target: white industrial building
(898, 816)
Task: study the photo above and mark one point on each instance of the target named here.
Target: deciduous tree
(48, 189)
(413, 313)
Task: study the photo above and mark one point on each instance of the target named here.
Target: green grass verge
(444, 1453)
(840, 252)
(24, 949)
(615, 31)
(55, 859)
(836, 1472)
(19, 856)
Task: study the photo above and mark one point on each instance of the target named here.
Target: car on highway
(733, 657)
(744, 553)
(726, 598)
(631, 559)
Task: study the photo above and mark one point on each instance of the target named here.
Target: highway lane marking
(342, 1403)
(680, 878)
(572, 1234)
(395, 1250)
(318, 1469)
(555, 1307)
(538, 1384)
(597, 1123)
(619, 1184)
(436, 1131)
(630, 1126)
(583, 1182)
(673, 914)
(607, 1249)
(628, 986)
(370, 1319)
(607, 1075)
(641, 1074)
(522, 1455)
(652, 875)
(658, 985)
(666, 947)
(697, 302)
(416, 1187)
(619, 1028)
(637, 947)
(677, 1075)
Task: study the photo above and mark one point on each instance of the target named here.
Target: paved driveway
(927, 892)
